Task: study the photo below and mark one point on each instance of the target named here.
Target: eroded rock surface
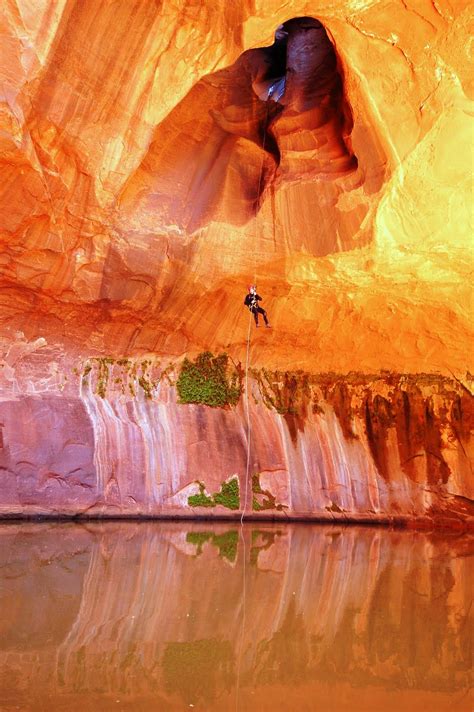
(144, 183)
(115, 440)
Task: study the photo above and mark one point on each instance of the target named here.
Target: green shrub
(201, 499)
(229, 495)
(207, 381)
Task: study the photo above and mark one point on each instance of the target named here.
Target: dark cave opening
(226, 146)
(300, 73)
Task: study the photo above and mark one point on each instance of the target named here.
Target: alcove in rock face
(274, 126)
(154, 163)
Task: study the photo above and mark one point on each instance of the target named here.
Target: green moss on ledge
(208, 380)
(201, 499)
(228, 496)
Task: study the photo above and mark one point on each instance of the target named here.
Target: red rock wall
(113, 440)
(143, 186)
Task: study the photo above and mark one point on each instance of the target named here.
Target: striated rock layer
(359, 448)
(144, 182)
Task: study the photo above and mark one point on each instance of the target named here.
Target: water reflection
(162, 616)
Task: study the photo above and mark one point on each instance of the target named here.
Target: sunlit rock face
(145, 182)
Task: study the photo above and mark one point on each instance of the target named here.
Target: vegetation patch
(122, 374)
(144, 381)
(85, 373)
(198, 539)
(209, 380)
(227, 544)
(201, 499)
(228, 495)
(103, 372)
(198, 670)
(268, 501)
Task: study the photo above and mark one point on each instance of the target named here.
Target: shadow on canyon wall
(223, 148)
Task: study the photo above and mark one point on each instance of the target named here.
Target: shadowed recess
(277, 115)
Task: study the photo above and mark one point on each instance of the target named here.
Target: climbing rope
(247, 416)
(247, 357)
(249, 434)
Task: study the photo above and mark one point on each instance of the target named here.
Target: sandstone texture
(145, 183)
(112, 438)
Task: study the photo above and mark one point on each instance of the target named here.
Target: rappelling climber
(251, 301)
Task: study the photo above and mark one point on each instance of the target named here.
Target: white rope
(247, 415)
(249, 435)
(247, 358)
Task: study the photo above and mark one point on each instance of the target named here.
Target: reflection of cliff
(157, 617)
(133, 216)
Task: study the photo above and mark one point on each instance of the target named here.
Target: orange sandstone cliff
(146, 181)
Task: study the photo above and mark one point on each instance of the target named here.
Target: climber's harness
(253, 304)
